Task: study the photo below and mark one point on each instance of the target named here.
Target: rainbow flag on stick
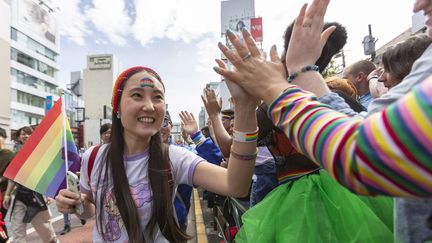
(40, 163)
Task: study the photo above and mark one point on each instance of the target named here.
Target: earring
(118, 115)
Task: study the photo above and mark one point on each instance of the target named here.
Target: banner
(257, 29)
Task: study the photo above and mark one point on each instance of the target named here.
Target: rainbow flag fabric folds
(40, 165)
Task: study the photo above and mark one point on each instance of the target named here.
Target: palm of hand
(211, 103)
(190, 126)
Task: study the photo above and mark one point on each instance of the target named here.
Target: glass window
(21, 38)
(32, 81)
(26, 60)
(32, 63)
(13, 34)
(32, 44)
(25, 117)
(14, 54)
(29, 99)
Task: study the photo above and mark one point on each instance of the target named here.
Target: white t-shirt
(183, 164)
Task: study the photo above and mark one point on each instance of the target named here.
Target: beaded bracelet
(244, 156)
(302, 70)
(245, 137)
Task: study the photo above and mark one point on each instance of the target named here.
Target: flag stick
(64, 116)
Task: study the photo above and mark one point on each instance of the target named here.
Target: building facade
(98, 82)
(29, 46)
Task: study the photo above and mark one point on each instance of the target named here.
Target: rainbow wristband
(245, 137)
(198, 138)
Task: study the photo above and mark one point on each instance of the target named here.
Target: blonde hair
(343, 85)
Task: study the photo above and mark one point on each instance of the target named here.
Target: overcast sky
(178, 38)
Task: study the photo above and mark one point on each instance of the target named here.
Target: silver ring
(247, 56)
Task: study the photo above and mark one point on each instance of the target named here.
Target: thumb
(326, 34)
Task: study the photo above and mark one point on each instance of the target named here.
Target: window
(29, 99)
(25, 117)
(32, 44)
(27, 79)
(32, 63)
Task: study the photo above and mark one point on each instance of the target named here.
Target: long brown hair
(159, 172)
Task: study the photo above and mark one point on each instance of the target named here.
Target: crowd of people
(314, 159)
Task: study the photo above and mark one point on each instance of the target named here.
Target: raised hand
(212, 104)
(252, 72)
(188, 123)
(266, 79)
(239, 95)
(308, 39)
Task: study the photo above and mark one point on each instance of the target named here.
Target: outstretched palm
(212, 104)
(188, 124)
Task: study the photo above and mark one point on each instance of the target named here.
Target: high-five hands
(266, 79)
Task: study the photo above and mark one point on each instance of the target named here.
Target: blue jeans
(265, 182)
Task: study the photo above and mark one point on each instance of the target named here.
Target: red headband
(125, 75)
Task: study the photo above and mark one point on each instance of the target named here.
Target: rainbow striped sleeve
(389, 153)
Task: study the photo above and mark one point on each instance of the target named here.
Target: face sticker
(147, 82)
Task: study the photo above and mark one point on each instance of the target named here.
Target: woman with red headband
(133, 179)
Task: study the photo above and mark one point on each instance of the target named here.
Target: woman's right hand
(67, 200)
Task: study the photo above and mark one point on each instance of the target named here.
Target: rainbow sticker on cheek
(147, 82)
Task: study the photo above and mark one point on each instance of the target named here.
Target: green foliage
(332, 69)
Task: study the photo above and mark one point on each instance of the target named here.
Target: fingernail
(216, 69)
(229, 32)
(245, 29)
(220, 45)
(274, 46)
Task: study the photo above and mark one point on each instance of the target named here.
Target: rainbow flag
(40, 165)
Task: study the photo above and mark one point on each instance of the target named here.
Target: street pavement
(79, 233)
(83, 233)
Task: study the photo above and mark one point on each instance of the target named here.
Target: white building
(176, 132)
(29, 46)
(98, 82)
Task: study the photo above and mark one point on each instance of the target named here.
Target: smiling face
(142, 107)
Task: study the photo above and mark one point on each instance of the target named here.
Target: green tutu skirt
(315, 208)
